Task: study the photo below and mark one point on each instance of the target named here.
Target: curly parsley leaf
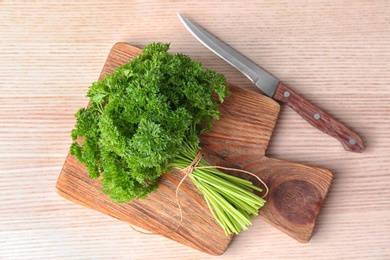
(140, 116)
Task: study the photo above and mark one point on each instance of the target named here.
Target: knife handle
(350, 140)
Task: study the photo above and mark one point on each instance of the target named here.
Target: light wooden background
(335, 53)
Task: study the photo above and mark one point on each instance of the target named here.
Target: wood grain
(158, 214)
(335, 53)
(237, 140)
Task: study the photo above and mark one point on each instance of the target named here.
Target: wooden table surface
(335, 53)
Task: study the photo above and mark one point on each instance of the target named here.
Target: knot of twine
(194, 165)
(189, 169)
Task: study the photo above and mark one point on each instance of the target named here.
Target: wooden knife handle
(350, 140)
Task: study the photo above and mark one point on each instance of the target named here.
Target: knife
(275, 89)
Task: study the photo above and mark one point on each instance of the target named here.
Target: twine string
(187, 171)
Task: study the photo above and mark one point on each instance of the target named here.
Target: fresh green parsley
(146, 118)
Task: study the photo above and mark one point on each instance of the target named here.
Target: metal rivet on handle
(352, 141)
(286, 94)
(317, 116)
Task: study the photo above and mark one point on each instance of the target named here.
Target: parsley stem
(231, 200)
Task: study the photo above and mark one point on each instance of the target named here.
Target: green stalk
(231, 200)
(226, 186)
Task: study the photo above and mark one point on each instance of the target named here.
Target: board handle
(321, 120)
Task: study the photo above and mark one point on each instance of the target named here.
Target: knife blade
(274, 88)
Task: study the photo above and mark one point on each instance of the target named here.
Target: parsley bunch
(145, 118)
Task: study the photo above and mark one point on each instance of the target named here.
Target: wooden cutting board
(238, 140)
